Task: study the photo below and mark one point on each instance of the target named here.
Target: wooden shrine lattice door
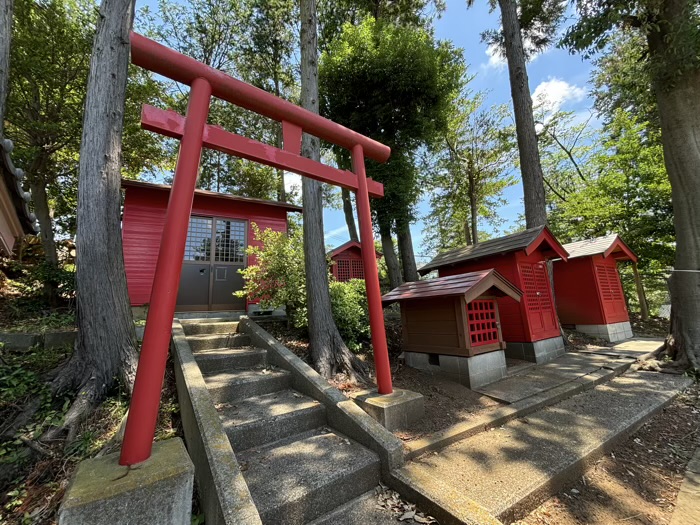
(538, 299)
(483, 325)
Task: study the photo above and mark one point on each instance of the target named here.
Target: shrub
(276, 275)
(350, 311)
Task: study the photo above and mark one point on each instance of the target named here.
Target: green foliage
(629, 193)
(350, 312)
(670, 29)
(471, 167)
(539, 21)
(50, 56)
(277, 278)
(394, 84)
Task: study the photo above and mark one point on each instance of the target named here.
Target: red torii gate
(195, 133)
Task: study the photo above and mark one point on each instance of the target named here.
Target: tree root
(83, 405)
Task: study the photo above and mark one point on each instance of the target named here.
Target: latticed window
(483, 325)
(357, 271)
(343, 271)
(198, 245)
(230, 241)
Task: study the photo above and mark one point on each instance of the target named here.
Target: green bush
(277, 278)
(349, 306)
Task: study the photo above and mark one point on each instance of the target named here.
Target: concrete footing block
(155, 492)
(610, 332)
(393, 411)
(472, 372)
(538, 352)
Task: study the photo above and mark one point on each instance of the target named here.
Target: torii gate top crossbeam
(164, 61)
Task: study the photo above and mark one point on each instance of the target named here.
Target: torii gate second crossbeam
(195, 134)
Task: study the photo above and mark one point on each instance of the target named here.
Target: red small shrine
(347, 261)
(588, 289)
(530, 327)
(450, 325)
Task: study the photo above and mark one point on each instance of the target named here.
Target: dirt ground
(637, 484)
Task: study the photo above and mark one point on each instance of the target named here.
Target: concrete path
(636, 347)
(541, 378)
(687, 510)
(511, 469)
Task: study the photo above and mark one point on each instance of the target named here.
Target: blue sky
(558, 76)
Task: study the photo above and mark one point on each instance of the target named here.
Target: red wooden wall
(142, 227)
(533, 318)
(589, 291)
(348, 264)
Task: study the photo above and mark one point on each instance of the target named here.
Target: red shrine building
(451, 325)
(220, 230)
(346, 261)
(588, 287)
(530, 327)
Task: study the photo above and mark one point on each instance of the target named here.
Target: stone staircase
(298, 469)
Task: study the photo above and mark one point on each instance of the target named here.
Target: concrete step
(230, 386)
(221, 315)
(212, 341)
(362, 510)
(298, 479)
(206, 326)
(259, 420)
(211, 361)
(512, 469)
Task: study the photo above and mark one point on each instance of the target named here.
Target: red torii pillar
(195, 134)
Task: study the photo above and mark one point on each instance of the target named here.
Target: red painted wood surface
(482, 321)
(142, 226)
(533, 318)
(589, 291)
(347, 261)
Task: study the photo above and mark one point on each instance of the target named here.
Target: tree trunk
(349, 215)
(530, 167)
(468, 232)
(643, 305)
(37, 185)
(6, 10)
(679, 112)
(472, 206)
(328, 351)
(106, 344)
(408, 258)
(392, 262)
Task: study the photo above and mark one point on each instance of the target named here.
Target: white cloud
(496, 59)
(553, 93)
(292, 182)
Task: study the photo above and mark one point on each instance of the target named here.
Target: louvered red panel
(611, 293)
(483, 324)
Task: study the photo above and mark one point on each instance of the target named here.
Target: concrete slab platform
(687, 510)
(511, 469)
(636, 348)
(541, 378)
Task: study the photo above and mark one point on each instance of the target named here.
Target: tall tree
(106, 344)
(470, 172)
(328, 351)
(394, 84)
(6, 10)
(531, 22)
(626, 191)
(671, 29)
(267, 56)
